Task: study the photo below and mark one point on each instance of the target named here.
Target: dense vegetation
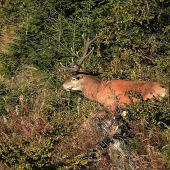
(40, 124)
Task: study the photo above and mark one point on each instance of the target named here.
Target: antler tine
(76, 54)
(87, 44)
(66, 68)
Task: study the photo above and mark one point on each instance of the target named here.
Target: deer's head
(74, 83)
(77, 78)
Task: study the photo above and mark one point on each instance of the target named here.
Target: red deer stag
(111, 93)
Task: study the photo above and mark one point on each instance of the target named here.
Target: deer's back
(116, 91)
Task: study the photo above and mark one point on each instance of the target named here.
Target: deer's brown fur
(114, 92)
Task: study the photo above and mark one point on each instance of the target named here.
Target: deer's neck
(91, 86)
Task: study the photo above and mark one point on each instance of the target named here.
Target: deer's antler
(75, 67)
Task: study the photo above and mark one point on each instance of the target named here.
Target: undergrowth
(44, 127)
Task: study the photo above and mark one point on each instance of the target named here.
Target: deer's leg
(112, 110)
(101, 114)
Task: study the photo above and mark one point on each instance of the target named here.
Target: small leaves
(42, 126)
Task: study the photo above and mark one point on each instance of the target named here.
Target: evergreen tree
(47, 29)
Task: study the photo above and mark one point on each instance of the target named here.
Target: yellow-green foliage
(44, 127)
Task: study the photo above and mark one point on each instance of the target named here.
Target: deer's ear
(80, 76)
